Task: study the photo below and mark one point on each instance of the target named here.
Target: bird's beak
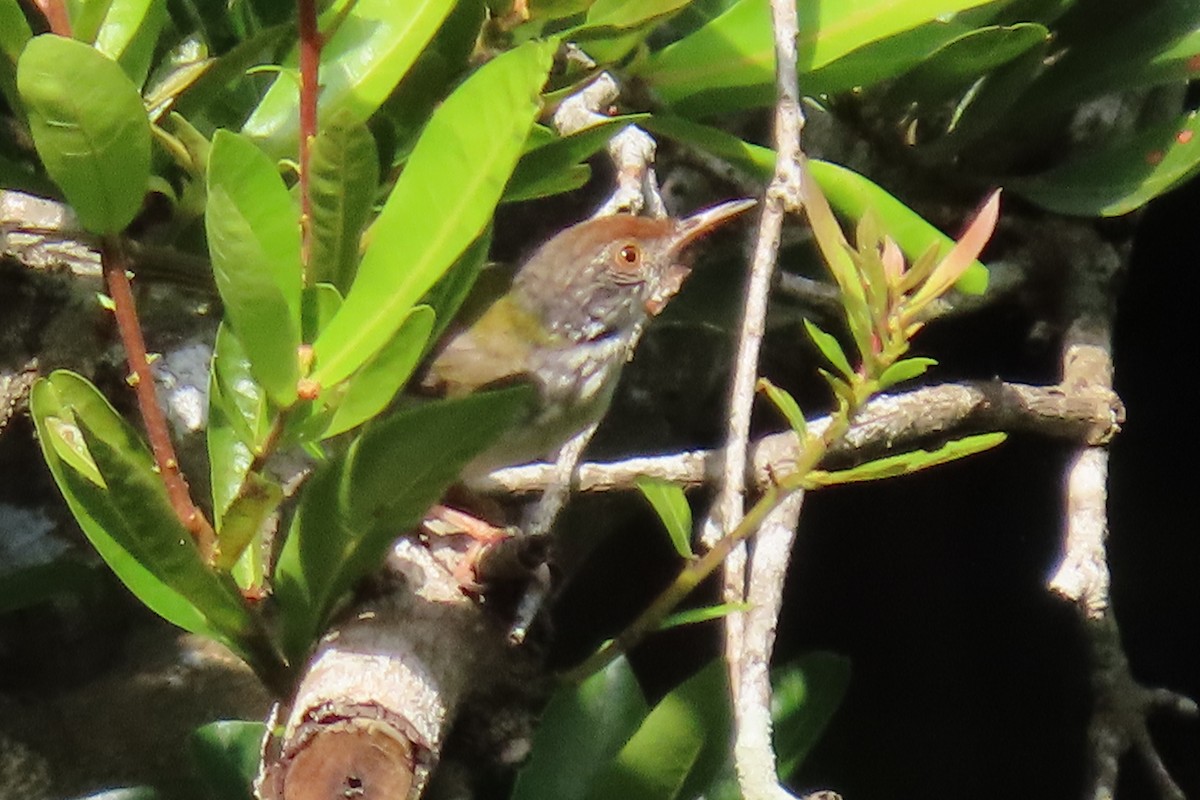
(689, 229)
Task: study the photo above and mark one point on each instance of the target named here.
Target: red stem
(55, 12)
(310, 59)
(115, 265)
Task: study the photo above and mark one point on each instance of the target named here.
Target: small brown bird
(569, 323)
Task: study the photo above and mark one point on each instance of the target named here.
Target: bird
(568, 323)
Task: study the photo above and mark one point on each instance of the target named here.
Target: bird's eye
(629, 255)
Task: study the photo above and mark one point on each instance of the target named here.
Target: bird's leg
(442, 520)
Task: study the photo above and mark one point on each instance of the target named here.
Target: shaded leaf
(682, 740)
(132, 524)
(582, 728)
(905, 463)
(548, 161)
(672, 507)
(345, 176)
(441, 203)
(693, 616)
(256, 499)
(226, 755)
(805, 695)
(1121, 177)
(254, 243)
(90, 129)
(355, 505)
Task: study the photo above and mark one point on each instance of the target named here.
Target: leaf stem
(55, 12)
(115, 264)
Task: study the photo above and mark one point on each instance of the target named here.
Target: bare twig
(117, 278)
(887, 424)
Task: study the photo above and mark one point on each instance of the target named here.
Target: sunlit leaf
(905, 370)
(805, 694)
(441, 203)
(89, 127)
(905, 463)
(829, 347)
(787, 406)
(373, 47)
(672, 507)
(129, 34)
(254, 244)
(693, 616)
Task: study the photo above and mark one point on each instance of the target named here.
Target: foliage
(428, 119)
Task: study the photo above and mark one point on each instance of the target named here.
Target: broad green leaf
(906, 463)
(226, 755)
(345, 176)
(682, 740)
(567, 179)
(236, 391)
(89, 127)
(582, 728)
(357, 504)
(254, 243)
(607, 17)
(735, 51)
(129, 34)
(965, 59)
(829, 347)
(243, 520)
(905, 370)
(375, 43)
(787, 406)
(443, 200)
(131, 523)
(448, 294)
(375, 385)
(693, 616)
(551, 159)
(672, 507)
(849, 193)
(14, 33)
(988, 103)
(319, 304)
(805, 695)
(1121, 177)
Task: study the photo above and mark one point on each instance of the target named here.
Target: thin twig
(55, 12)
(116, 277)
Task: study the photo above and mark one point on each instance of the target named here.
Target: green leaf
(344, 178)
(14, 33)
(582, 728)
(254, 243)
(441, 203)
(692, 616)
(608, 17)
(829, 347)
(237, 394)
(849, 193)
(131, 523)
(448, 294)
(906, 463)
(734, 53)
(129, 34)
(805, 695)
(905, 370)
(226, 755)
(243, 519)
(375, 385)
(373, 47)
(682, 741)
(89, 127)
(672, 507)
(545, 163)
(357, 504)
(1121, 177)
(787, 406)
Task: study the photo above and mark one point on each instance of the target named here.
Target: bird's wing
(493, 351)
